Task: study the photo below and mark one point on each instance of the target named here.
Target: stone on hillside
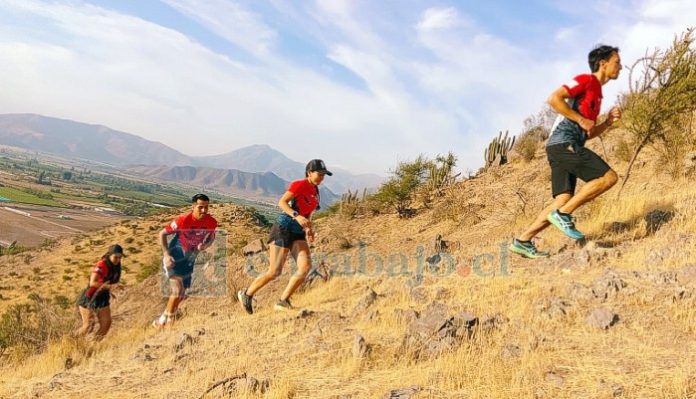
(184, 339)
(463, 325)
(687, 274)
(430, 321)
(254, 247)
(492, 322)
(656, 218)
(403, 393)
(304, 313)
(607, 286)
(440, 293)
(690, 163)
(254, 385)
(335, 243)
(367, 301)
(554, 378)
(579, 292)
(435, 332)
(405, 315)
(553, 308)
(613, 390)
(419, 294)
(602, 318)
(511, 351)
(360, 347)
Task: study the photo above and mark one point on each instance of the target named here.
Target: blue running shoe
(527, 249)
(566, 224)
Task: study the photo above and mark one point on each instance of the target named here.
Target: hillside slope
(486, 325)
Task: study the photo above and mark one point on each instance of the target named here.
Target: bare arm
(614, 115)
(283, 204)
(557, 101)
(209, 239)
(168, 260)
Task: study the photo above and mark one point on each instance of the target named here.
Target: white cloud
(230, 21)
(440, 18)
(435, 79)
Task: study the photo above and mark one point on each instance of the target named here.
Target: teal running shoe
(565, 224)
(527, 249)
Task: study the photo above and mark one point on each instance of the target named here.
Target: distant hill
(71, 139)
(258, 185)
(264, 158)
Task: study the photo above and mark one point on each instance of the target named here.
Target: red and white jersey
(191, 231)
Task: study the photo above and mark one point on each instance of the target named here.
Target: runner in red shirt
(578, 104)
(95, 299)
(193, 233)
(290, 233)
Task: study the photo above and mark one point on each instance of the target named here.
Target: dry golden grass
(650, 353)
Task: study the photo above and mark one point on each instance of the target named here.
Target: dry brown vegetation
(486, 325)
(531, 340)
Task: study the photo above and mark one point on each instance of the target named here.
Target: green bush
(150, 268)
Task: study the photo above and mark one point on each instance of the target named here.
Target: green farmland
(15, 195)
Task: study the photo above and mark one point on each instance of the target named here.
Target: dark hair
(113, 249)
(201, 197)
(600, 53)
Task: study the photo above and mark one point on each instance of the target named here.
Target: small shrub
(623, 151)
(62, 301)
(150, 268)
(133, 250)
(29, 328)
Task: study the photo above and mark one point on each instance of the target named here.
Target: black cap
(317, 165)
(115, 249)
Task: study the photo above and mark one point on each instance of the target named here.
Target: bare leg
(87, 321)
(300, 250)
(104, 316)
(176, 285)
(277, 255)
(540, 223)
(590, 191)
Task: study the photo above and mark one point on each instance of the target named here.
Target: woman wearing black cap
(95, 298)
(290, 234)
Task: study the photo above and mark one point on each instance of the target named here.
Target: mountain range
(71, 139)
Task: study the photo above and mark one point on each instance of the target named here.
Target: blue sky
(361, 84)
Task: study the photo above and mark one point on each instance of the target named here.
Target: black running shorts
(569, 162)
(282, 237)
(100, 299)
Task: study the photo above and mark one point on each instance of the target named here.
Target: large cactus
(498, 147)
(440, 173)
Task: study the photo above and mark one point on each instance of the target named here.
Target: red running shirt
(191, 231)
(586, 92)
(306, 197)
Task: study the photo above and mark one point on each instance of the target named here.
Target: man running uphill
(578, 104)
(193, 232)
